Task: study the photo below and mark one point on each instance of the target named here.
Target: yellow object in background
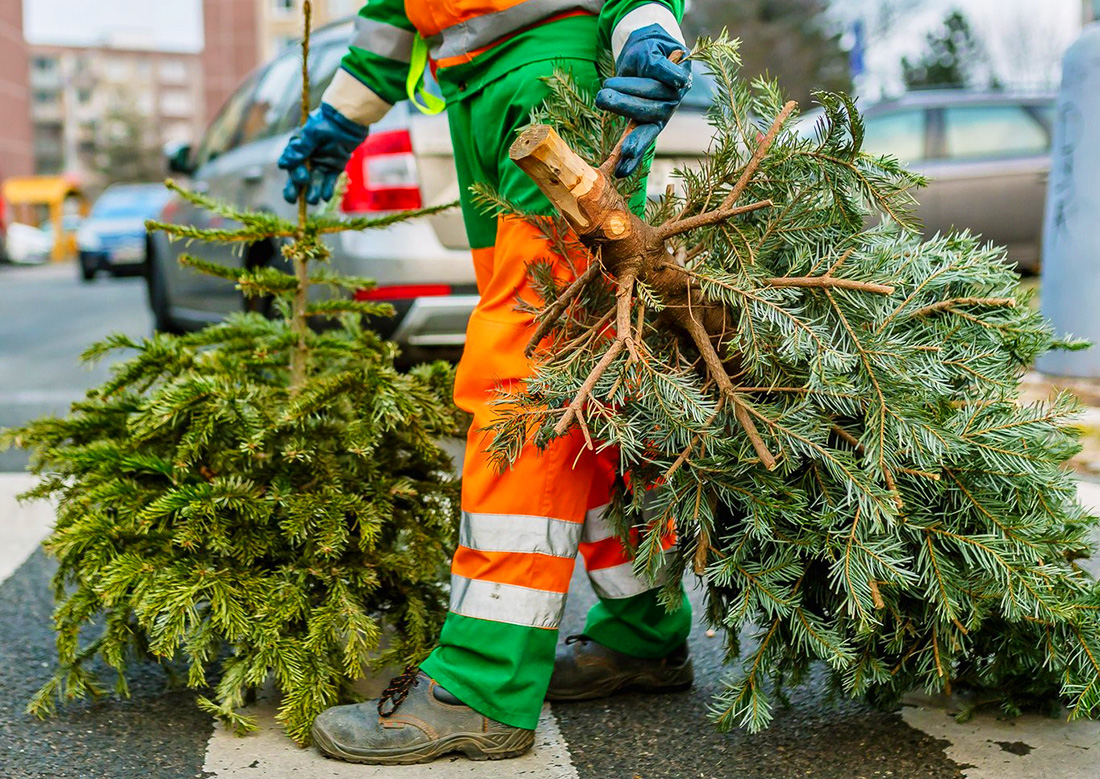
(34, 200)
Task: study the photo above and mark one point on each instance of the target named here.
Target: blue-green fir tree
(259, 500)
(822, 404)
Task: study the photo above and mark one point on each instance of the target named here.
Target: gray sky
(162, 24)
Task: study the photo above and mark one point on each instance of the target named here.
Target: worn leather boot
(415, 721)
(585, 669)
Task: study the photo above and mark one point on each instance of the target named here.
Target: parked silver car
(986, 155)
(423, 268)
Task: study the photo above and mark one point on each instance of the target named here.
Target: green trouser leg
(639, 625)
(501, 667)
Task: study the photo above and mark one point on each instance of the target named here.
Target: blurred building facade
(231, 48)
(240, 35)
(81, 95)
(281, 20)
(16, 145)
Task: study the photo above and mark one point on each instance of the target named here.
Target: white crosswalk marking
(1019, 748)
(22, 526)
(1024, 747)
(270, 754)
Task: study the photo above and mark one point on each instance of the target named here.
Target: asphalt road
(47, 318)
(670, 736)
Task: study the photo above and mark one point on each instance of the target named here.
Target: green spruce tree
(823, 405)
(255, 500)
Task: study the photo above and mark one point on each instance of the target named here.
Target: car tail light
(404, 292)
(382, 175)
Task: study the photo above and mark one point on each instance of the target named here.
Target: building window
(173, 72)
(176, 103)
(45, 64)
(118, 70)
(44, 97)
(179, 132)
(143, 104)
(284, 6)
(48, 131)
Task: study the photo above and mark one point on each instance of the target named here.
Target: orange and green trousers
(522, 528)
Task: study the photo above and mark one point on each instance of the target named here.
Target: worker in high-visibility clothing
(480, 692)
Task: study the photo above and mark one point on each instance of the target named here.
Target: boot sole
(619, 685)
(475, 746)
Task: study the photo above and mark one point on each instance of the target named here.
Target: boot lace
(581, 637)
(398, 690)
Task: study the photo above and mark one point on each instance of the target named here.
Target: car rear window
(991, 131)
(897, 133)
(272, 98)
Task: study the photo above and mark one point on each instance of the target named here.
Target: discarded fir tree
(822, 405)
(258, 497)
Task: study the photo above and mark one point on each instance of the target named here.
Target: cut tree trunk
(630, 250)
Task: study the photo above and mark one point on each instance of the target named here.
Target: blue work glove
(647, 87)
(326, 142)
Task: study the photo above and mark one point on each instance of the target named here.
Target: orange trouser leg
(497, 336)
(520, 527)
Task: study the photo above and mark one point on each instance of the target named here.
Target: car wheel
(157, 288)
(126, 271)
(88, 267)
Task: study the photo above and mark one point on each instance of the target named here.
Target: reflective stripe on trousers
(609, 565)
(516, 568)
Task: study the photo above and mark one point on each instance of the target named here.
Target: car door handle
(253, 175)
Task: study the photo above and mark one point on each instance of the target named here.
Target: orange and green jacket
(472, 42)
